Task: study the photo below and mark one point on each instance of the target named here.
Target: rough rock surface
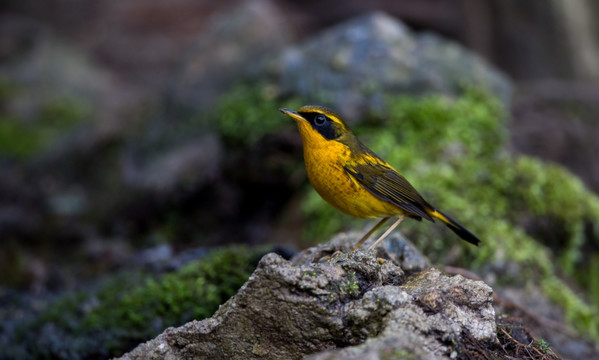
(396, 248)
(352, 305)
(351, 66)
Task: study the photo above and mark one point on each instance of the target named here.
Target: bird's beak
(293, 114)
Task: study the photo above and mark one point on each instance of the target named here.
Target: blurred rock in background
(129, 128)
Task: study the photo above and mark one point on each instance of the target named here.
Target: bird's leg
(387, 232)
(365, 237)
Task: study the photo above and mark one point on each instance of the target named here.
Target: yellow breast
(325, 162)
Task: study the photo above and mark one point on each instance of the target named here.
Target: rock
(404, 253)
(172, 148)
(232, 46)
(194, 162)
(396, 248)
(353, 305)
(353, 65)
(43, 70)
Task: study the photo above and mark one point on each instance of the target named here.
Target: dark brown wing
(384, 182)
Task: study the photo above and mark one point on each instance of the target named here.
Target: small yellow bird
(355, 180)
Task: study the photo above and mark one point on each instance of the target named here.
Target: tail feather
(455, 227)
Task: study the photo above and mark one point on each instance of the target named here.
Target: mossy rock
(248, 112)
(128, 309)
(21, 139)
(454, 151)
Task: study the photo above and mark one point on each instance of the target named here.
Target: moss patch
(124, 311)
(452, 150)
(247, 113)
(22, 138)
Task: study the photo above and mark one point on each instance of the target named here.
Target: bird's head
(318, 125)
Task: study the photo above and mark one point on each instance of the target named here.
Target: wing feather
(384, 182)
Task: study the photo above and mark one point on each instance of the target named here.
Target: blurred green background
(142, 153)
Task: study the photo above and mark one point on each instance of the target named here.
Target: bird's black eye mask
(329, 129)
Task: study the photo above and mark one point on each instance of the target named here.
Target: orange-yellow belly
(324, 167)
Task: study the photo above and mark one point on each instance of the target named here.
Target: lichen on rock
(352, 303)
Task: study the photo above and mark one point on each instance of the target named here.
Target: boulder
(352, 66)
(346, 307)
(233, 45)
(178, 145)
(395, 248)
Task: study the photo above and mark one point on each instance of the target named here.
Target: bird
(352, 178)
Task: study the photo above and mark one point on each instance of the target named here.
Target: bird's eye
(320, 119)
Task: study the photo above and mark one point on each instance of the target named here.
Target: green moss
(20, 138)
(398, 355)
(63, 113)
(7, 90)
(248, 112)
(126, 311)
(452, 150)
(350, 285)
(194, 292)
(16, 140)
(542, 345)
